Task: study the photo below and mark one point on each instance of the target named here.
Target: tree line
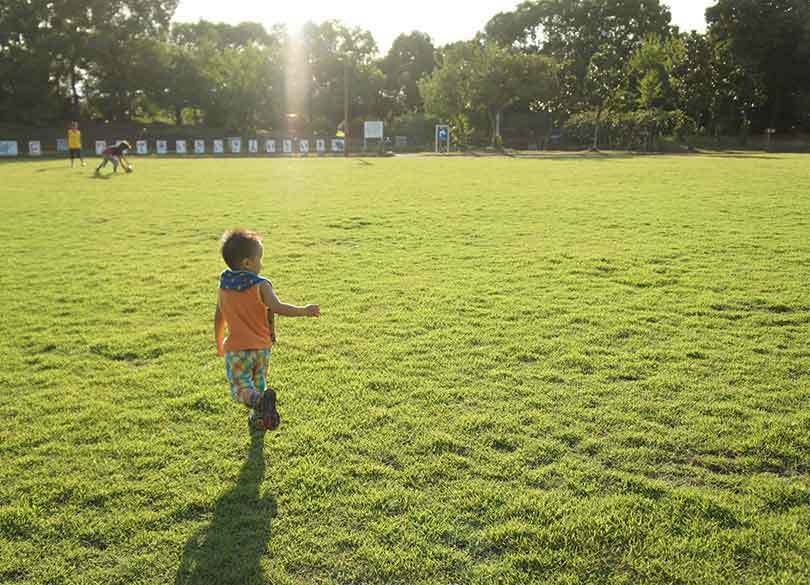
(605, 70)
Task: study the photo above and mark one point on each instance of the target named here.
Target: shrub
(630, 129)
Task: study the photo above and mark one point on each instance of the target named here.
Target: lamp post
(346, 124)
(770, 132)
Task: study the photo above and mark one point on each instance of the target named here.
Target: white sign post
(372, 130)
(338, 144)
(320, 145)
(34, 148)
(270, 146)
(142, 147)
(162, 147)
(303, 146)
(101, 146)
(199, 146)
(253, 146)
(287, 146)
(180, 147)
(219, 146)
(61, 145)
(235, 145)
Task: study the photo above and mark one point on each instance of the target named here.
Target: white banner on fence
(199, 146)
(61, 145)
(101, 146)
(287, 146)
(235, 144)
(34, 148)
(161, 147)
(180, 147)
(320, 145)
(253, 146)
(303, 146)
(270, 146)
(8, 148)
(142, 147)
(338, 144)
(219, 146)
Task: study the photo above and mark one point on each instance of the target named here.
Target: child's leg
(239, 368)
(115, 163)
(260, 369)
(267, 412)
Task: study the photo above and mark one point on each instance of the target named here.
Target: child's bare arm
(274, 304)
(219, 330)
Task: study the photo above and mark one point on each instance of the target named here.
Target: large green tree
(28, 93)
(447, 91)
(51, 51)
(487, 79)
(768, 40)
(229, 75)
(693, 79)
(573, 32)
(332, 51)
(106, 48)
(603, 86)
(411, 57)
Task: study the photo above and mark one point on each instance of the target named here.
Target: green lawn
(526, 371)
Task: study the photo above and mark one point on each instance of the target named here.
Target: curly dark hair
(239, 245)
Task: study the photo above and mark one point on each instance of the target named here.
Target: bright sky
(444, 20)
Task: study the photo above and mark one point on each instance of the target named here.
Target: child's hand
(313, 310)
(220, 349)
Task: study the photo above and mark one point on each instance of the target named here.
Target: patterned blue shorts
(247, 374)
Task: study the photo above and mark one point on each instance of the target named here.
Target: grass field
(526, 371)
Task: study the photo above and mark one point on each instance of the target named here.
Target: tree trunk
(178, 115)
(596, 130)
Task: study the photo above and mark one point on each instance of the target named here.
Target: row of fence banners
(218, 146)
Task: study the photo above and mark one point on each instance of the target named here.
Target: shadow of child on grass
(229, 550)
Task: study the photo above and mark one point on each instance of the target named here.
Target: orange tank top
(246, 316)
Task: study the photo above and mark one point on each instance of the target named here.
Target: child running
(245, 306)
(115, 155)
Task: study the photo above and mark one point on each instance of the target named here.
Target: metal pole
(346, 124)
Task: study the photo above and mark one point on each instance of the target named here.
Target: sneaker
(255, 424)
(267, 414)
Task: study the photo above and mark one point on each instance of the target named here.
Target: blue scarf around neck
(239, 280)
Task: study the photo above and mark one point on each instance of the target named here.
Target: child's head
(74, 125)
(242, 250)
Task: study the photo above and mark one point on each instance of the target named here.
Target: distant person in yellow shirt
(75, 143)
